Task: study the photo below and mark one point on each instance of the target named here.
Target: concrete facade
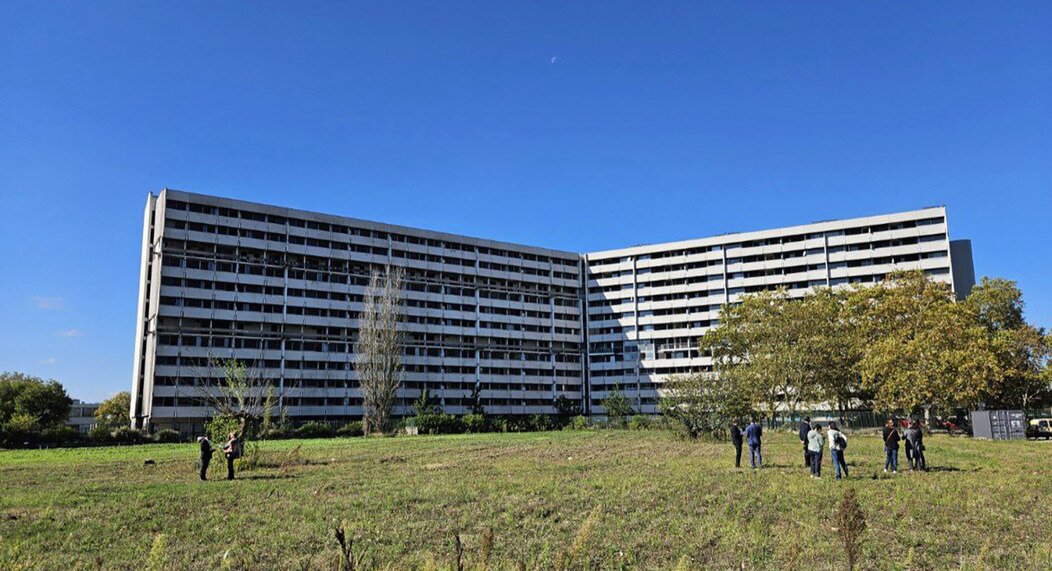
(280, 289)
(647, 305)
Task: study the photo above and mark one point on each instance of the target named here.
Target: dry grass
(574, 499)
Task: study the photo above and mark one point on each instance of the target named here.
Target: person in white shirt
(837, 444)
(814, 446)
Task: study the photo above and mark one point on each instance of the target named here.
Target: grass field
(598, 499)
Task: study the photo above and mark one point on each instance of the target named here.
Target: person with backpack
(736, 440)
(805, 429)
(206, 455)
(915, 447)
(891, 446)
(232, 450)
(753, 434)
(814, 446)
(837, 445)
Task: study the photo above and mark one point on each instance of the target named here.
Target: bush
(100, 435)
(578, 423)
(474, 423)
(60, 435)
(277, 433)
(314, 429)
(20, 429)
(352, 428)
(126, 435)
(438, 423)
(168, 436)
(497, 424)
(540, 423)
(639, 422)
(617, 407)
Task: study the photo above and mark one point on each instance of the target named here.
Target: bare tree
(239, 393)
(379, 350)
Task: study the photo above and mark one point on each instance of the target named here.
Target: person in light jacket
(837, 444)
(814, 446)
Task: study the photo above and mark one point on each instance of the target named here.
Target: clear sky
(578, 126)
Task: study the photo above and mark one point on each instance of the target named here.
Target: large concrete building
(280, 289)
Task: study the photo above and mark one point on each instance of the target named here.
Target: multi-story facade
(647, 305)
(281, 289)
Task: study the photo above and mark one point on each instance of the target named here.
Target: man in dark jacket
(753, 434)
(805, 428)
(206, 455)
(736, 439)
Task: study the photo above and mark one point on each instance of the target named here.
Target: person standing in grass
(837, 445)
(754, 434)
(891, 447)
(814, 446)
(805, 429)
(206, 455)
(232, 450)
(736, 439)
(915, 447)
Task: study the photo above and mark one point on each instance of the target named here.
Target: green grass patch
(638, 499)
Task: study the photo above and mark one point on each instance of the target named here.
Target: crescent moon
(553, 59)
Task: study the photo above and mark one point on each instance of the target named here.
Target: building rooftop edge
(638, 249)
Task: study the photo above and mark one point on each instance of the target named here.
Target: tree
(115, 411)
(46, 402)
(766, 344)
(1022, 350)
(923, 349)
(834, 348)
(617, 406)
(565, 410)
(997, 303)
(704, 404)
(30, 405)
(476, 400)
(379, 348)
(240, 398)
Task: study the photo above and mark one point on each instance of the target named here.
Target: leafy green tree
(834, 348)
(476, 400)
(115, 411)
(770, 345)
(704, 404)
(1022, 350)
(997, 303)
(922, 348)
(617, 407)
(565, 409)
(45, 401)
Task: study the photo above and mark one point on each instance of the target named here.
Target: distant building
(82, 415)
(280, 289)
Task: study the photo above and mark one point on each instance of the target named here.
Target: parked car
(1039, 428)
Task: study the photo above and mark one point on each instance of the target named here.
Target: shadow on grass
(266, 477)
(950, 469)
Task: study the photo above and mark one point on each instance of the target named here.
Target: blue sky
(579, 126)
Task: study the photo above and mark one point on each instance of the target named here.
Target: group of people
(815, 441)
(232, 451)
(913, 436)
